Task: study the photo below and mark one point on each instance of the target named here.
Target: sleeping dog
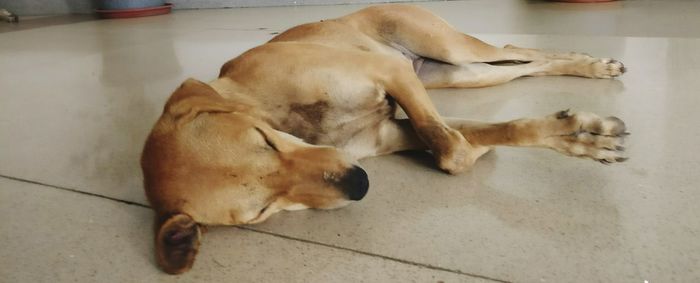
(284, 124)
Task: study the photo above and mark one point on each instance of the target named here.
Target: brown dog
(285, 122)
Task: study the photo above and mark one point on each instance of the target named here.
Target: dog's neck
(230, 90)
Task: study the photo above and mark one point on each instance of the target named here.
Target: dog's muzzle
(354, 183)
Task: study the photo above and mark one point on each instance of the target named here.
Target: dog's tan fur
(283, 124)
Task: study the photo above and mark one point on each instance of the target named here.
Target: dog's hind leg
(436, 74)
(421, 35)
(581, 134)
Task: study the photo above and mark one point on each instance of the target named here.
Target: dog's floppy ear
(194, 97)
(177, 243)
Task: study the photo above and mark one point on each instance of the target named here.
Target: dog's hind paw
(606, 68)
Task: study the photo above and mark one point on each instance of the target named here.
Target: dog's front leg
(580, 134)
(452, 151)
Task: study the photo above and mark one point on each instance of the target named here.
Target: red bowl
(584, 1)
(133, 13)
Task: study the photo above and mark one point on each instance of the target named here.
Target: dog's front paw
(587, 135)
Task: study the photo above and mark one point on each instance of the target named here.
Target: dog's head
(217, 161)
(210, 160)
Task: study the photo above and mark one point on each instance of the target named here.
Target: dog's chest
(339, 117)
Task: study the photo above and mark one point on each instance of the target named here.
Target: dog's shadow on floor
(560, 214)
(425, 159)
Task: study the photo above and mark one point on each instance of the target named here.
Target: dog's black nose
(355, 183)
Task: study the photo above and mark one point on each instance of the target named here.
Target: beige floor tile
(51, 235)
(77, 101)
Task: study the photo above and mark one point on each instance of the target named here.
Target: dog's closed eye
(268, 141)
(265, 208)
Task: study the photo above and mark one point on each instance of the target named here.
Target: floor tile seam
(285, 237)
(74, 190)
(394, 259)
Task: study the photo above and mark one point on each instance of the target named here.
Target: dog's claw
(622, 67)
(563, 114)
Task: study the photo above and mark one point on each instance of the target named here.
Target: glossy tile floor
(78, 98)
